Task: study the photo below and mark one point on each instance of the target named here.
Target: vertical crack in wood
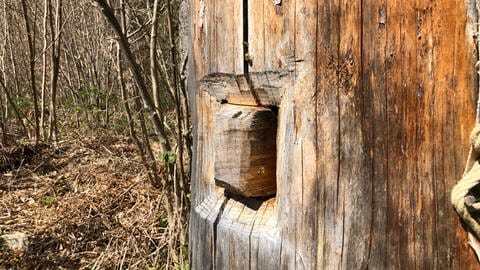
(246, 58)
(215, 226)
(339, 150)
(372, 168)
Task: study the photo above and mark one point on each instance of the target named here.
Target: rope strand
(471, 175)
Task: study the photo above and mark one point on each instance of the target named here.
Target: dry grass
(84, 204)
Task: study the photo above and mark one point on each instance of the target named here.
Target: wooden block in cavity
(245, 150)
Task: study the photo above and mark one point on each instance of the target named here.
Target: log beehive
(376, 99)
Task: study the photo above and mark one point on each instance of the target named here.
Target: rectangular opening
(246, 152)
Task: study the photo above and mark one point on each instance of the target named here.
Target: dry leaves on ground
(83, 203)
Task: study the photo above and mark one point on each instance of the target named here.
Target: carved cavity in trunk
(245, 150)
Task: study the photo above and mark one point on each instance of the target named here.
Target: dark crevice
(274, 110)
(246, 59)
(253, 203)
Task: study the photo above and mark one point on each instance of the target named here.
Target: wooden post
(376, 100)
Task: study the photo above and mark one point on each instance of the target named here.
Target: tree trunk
(375, 99)
(56, 32)
(47, 10)
(31, 55)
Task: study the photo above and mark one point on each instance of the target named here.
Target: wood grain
(256, 89)
(376, 100)
(245, 150)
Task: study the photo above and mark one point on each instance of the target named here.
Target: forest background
(95, 134)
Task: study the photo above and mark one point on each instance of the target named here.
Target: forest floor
(83, 203)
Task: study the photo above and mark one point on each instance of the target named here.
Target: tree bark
(46, 12)
(33, 85)
(9, 100)
(56, 32)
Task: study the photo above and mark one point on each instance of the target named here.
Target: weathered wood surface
(375, 113)
(260, 88)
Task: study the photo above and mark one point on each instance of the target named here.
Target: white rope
(471, 175)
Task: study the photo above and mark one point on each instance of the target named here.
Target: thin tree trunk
(183, 185)
(68, 76)
(137, 73)
(145, 149)
(3, 123)
(47, 6)
(13, 106)
(131, 124)
(4, 112)
(56, 46)
(108, 84)
(153, 65)
(180, 181)
(31, 48)
(13, 61)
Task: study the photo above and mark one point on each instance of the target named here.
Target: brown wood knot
(245, 150)
(254, 89)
